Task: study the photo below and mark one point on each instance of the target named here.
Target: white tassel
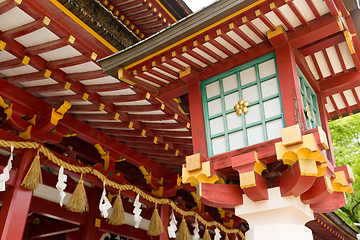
(5, 176)
(137, 211)
(104, 205)
(61, 185)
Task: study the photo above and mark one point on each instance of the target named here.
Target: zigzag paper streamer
(172, 226)
(5, 176)
(61, 185)
(217, 234)
(137, 211)
(104, 205)
(196, 235)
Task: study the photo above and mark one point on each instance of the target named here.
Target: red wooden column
(15, 208)
(89, 231)
(325, 126)
(165, 211)
(190, 77)
(288, 79)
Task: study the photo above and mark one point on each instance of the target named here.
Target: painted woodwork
(16, 203)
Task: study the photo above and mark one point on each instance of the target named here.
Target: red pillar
(89, 231)
(15, 208)
(325, 126)
(290, 86)
(165, 211)
(197, 119)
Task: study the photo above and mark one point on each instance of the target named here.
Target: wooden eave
(322, 50)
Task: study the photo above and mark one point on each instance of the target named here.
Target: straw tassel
(155, 227)
(183, 233)
(117, 216)
(206, 235)
(33, 176)
(226, 238)
(78, 201)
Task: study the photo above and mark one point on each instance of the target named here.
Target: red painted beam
(51, 229)
(7, 5)
(220, 195)
(85, 132)
(340, 83)
(304, 67)
(314, 31)
(322, 44)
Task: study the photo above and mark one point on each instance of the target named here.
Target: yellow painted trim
(334, 224)
(83, 25)
(195, 34)
(166, 10)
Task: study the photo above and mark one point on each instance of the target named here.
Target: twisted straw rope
(121, 187)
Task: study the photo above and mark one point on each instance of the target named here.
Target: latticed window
(255, 82)
(311, 108)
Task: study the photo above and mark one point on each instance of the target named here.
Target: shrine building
(138, 119)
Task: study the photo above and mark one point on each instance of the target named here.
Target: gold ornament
(241, 107)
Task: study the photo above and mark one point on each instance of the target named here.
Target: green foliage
(345, 134)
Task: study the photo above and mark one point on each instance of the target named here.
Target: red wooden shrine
(122, 89)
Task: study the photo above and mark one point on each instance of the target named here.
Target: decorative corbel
(302, 154)
(154, 182)
(52, 117)
(198, 170)
(251, 181)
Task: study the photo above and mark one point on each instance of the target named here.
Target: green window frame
(309, 99)
(261, 105)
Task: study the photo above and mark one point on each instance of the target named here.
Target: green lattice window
(311, 108)
(255, 82)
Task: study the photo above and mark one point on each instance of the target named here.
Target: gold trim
(166, 10)
(335, 225)
(83, 25)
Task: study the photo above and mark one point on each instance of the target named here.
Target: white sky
(196, 5)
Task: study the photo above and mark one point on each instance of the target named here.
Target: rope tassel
(183, 233)
(155, 227)
(226, 238)
(206, 235)
(78, 201)
(33, 176)
(117, 216)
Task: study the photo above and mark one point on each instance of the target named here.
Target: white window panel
(217, 125)
(273, 129)
(272, 108)
(250, 94)
(255, 135)
(253, 115)
(269, 88)
(230, 83)
(231, 100)
(214, 107)
(233, 121)
(218, 145)
(267, 68)
(247, 76)
(212, 89)
(236, 140)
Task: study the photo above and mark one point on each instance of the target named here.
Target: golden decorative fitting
(155, 140)
(241, 107)
(117, 115)
(47, 73)
(308, 113)
(25, 60)
(93, 56)
(67, 86)
(2, 45)
(97, 222)
(71, 39)
(46, 20)
(166, 146)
